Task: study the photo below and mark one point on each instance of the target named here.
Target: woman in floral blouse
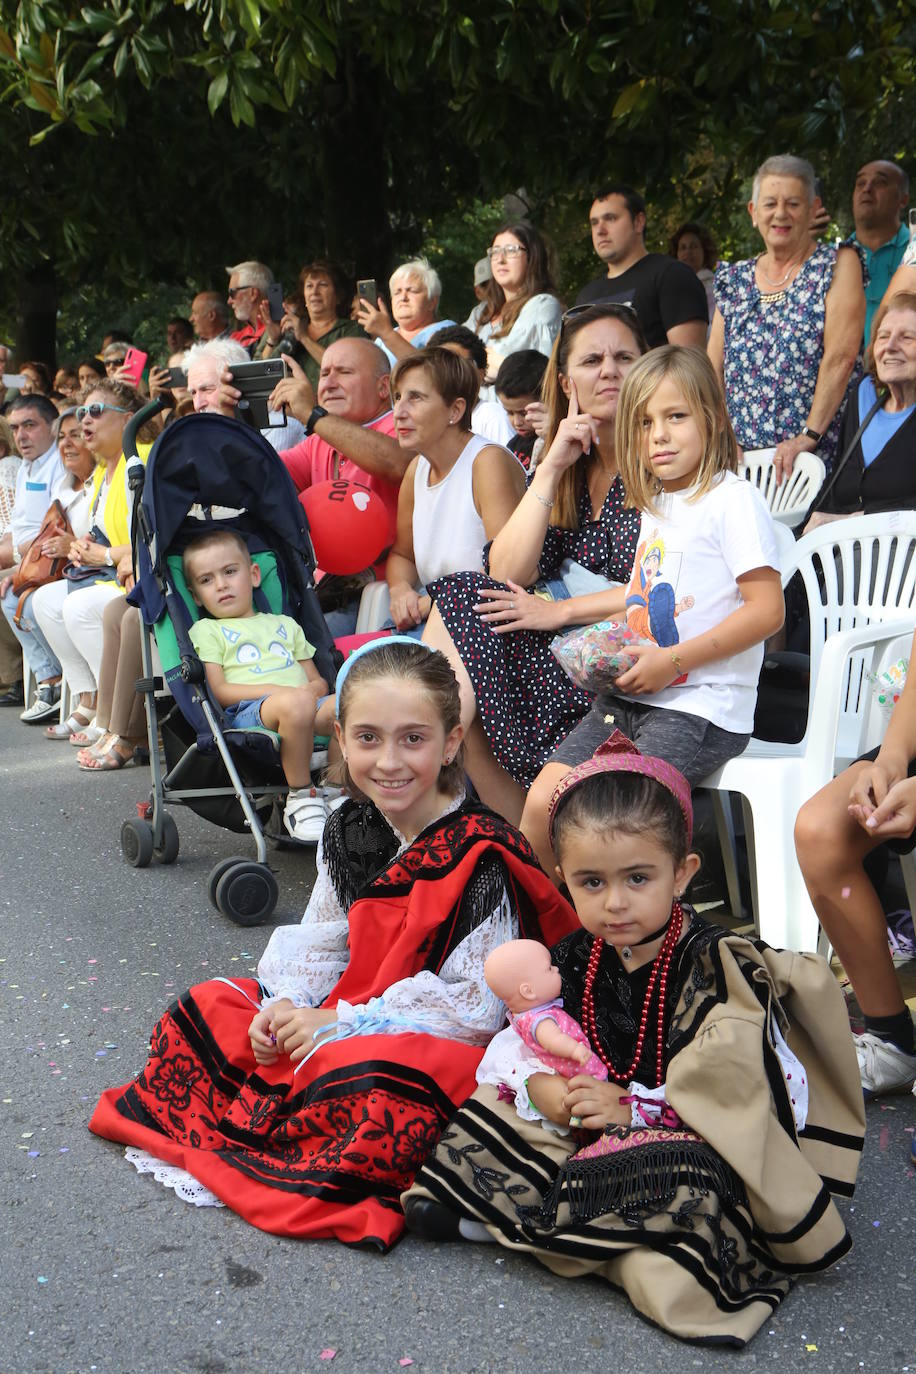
(785, 336)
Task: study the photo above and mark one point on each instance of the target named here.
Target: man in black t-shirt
(668, 297)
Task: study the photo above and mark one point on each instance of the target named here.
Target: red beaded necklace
(659, 977)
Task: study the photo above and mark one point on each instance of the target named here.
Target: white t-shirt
(490, 421)
(684, 583)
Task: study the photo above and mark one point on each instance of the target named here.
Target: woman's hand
(293, 323)
(376, 320)
(272, 329)
(407, 607)
(86, 553)
(160, 383)
(596, 1104)
(57, 546)
(787, 452)
(125, 572)
(575, 436)
(511, 607)
(872, 785)
(895, 816)
(294, 1027)
(654, 669)
(263, 1043)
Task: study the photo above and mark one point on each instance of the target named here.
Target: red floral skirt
(326, 1151)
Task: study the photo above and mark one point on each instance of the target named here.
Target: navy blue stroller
(208, 472)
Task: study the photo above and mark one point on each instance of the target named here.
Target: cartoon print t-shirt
(262, 649)
(683, 583)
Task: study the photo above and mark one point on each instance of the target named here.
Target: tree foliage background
(150, 142)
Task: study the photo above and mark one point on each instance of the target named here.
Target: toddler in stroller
(214, 486)
(258, 665)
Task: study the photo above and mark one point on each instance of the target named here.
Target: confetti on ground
(327, 1354)
(42, 1279)
(876, 1223)
(810, 1347)
(406, 1361)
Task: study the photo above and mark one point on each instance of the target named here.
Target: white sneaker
(305, 814)
(883, 1066)
(46, 703)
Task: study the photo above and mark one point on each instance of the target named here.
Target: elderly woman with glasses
(521, 307)
(415, 291)
(788, 325)
(550, 567)
(73, 626)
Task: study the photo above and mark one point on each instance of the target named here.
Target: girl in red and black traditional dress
(697, 1177)
(311, 1116)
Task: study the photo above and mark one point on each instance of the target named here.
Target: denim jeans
(41, 658)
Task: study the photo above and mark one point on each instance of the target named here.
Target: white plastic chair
(860, 580)
(374, 608)
(789, 500)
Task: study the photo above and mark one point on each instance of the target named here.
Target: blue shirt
(419, 340)
(881, 264)
(882, 426)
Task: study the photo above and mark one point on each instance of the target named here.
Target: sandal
(111, 757)
(73, 725)
(96, 750)
(88, 735)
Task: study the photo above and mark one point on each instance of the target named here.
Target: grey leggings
(688, 742)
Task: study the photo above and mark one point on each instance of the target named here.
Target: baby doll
(522, 975)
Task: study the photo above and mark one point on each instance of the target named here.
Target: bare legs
(533, 824)
(831, 850)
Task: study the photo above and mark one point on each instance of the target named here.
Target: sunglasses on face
(234, 290)
(95, 408)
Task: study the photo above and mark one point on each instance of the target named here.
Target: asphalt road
(104, 1270)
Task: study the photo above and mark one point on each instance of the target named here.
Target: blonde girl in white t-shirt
(705, 588)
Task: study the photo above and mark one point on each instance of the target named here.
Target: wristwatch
(811, 434)
(109, 561)
(318, 413)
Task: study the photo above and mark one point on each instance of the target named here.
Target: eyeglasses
(234, 290)
(511, 250)
(95, 408)
(115, 362)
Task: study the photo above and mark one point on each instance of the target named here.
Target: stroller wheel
(167, 851)
(247, 893)
(217, 872)
(137, 843)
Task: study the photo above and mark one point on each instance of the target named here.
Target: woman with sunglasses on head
(73, 626)
(521, 308)
(568, 541)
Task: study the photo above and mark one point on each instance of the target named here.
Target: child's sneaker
(305, 814)
(883, 1066)
(900, 937)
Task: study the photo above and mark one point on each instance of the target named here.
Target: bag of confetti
(888, 686)
(594, 656)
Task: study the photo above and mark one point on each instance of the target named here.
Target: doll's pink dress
(525, 1023)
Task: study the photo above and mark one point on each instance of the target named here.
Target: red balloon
(349, 525)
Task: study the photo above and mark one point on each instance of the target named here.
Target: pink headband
(620, 755)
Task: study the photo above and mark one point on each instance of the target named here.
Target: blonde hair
(693, 374)
(565, 513)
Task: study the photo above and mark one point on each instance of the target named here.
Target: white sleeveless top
(448, 533)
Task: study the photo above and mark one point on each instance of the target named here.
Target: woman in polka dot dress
(517, 703)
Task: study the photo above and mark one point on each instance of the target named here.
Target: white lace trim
(187, 1187)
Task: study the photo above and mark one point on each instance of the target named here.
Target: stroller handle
(135, 469)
